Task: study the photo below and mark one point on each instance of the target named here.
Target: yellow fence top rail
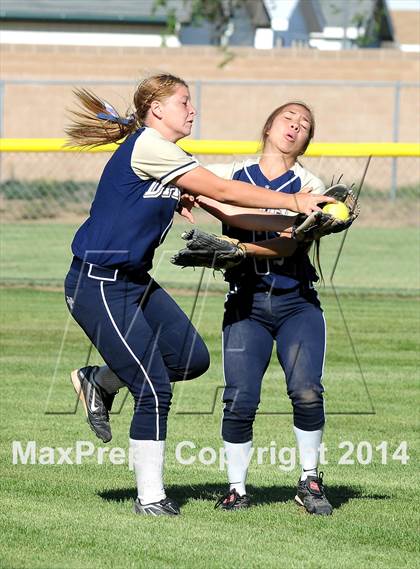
(348, 149)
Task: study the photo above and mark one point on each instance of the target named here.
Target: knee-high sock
(107, 379)
(308, 443)
(238, 456)
(148, 458)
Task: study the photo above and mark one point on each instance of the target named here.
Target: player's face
(290, 130)
(178, 113)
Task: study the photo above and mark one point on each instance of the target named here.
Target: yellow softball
(338, 210)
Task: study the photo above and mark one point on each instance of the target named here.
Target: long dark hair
(97, 122)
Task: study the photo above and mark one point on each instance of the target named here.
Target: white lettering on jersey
(158, 190)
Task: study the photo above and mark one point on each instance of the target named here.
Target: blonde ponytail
(98, 122)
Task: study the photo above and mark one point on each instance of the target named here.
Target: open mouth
(290, 137)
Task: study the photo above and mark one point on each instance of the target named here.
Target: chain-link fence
(42, 186)
(44, 197)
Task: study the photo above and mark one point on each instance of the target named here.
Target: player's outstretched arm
(220, 252)
(282, 246)
(200, 181)
(246, 218)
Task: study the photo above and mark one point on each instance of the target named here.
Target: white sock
(308, 443)
(148, 457)
(107, 379)
(238, 456)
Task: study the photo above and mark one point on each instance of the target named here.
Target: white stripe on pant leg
(323, 362)
(135, 358)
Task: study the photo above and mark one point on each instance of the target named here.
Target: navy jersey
(134, 203)
(281, 273)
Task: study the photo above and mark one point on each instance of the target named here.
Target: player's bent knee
(197, 366)
(308, 409)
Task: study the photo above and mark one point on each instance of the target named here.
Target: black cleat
(166, 507)
(232, 501)
(96, 401)
(310, 494)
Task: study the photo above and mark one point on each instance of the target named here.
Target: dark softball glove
(208, 250)
(318, 224)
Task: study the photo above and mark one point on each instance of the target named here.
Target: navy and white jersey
(134, 203)
(282, 273)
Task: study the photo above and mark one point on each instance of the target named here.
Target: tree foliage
(219, 13)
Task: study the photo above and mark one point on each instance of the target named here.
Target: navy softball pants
(252, 322)
(142, 335)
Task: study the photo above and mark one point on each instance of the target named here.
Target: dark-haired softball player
(272, 299)
(138, 329)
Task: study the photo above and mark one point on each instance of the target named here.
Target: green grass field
(373, 259)
(79, 515)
